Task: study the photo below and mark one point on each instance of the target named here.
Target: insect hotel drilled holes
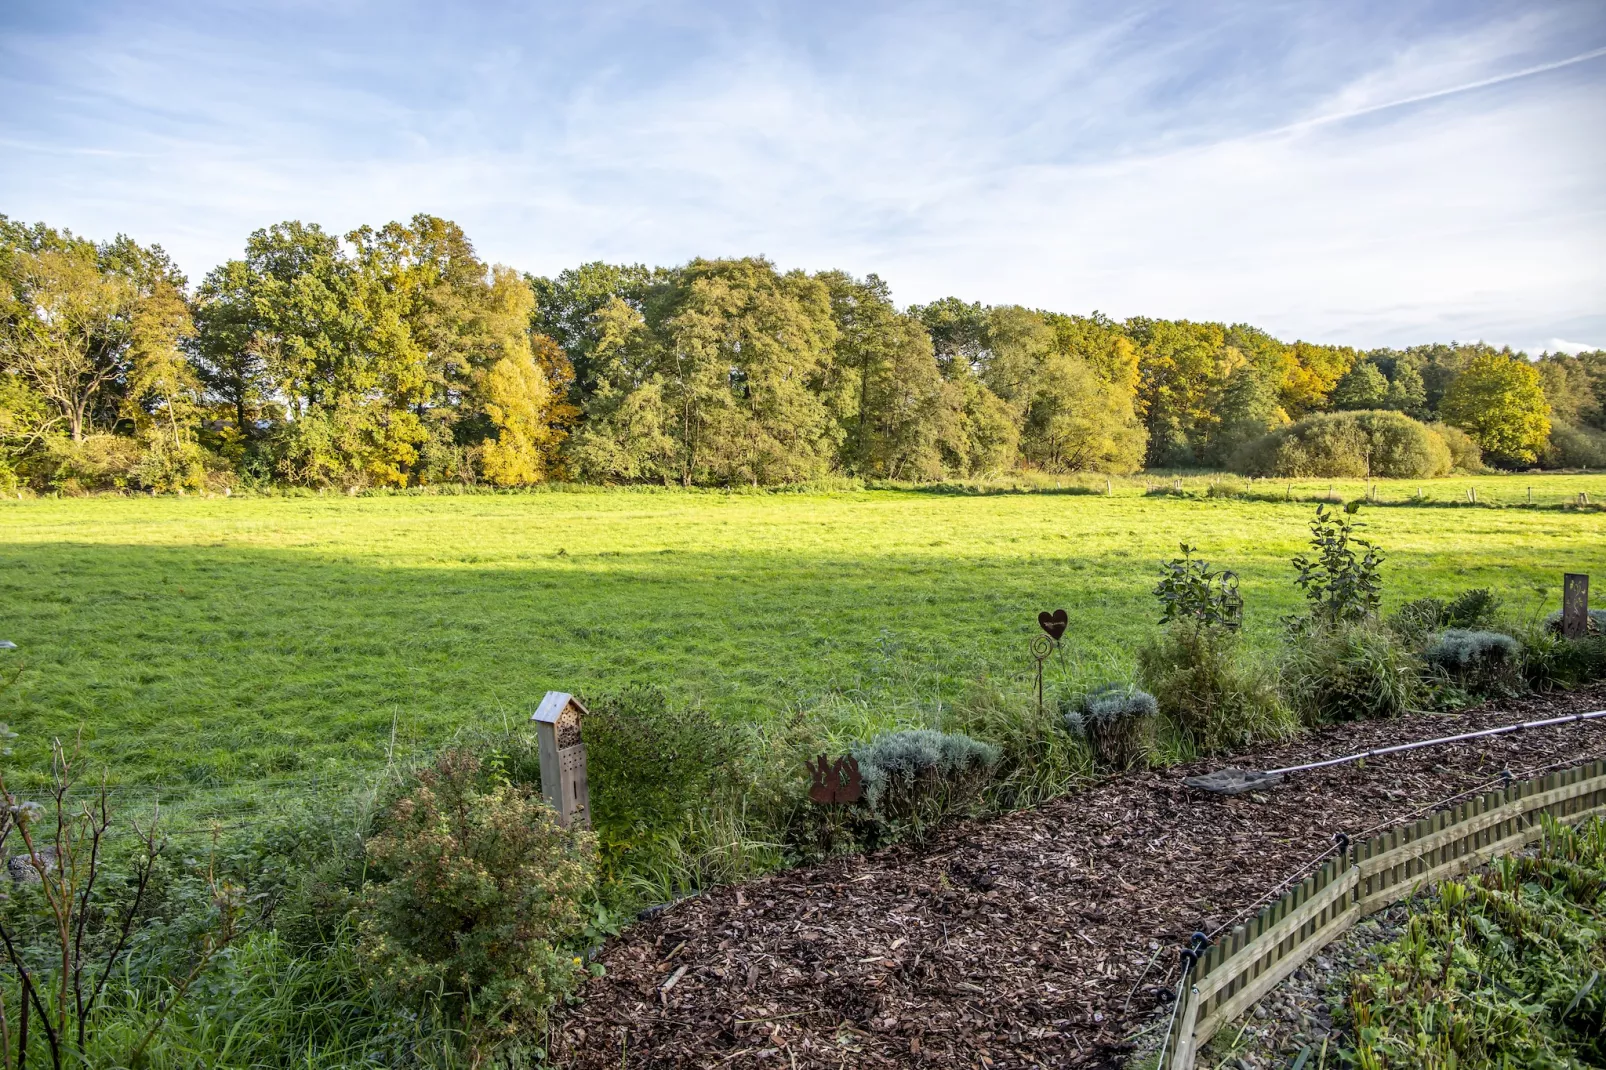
(563, 758)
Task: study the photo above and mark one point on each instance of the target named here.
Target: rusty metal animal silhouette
(835, 782)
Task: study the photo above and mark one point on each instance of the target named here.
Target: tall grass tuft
(1215, 695)
(1351, 672)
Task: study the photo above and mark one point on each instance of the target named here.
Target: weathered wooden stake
(1575, 605)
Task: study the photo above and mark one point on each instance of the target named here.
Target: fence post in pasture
(1530, 495)
(563, 758)
(1176, 486)
(1575, 605)
(1330, 496)
(1583, 497)
(1109, 489)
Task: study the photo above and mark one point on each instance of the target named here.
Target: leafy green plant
(1118, 722)
(1550, 660)
(1209, 687)
(1350, 672)
(1340, 585)
(1475, 608)
(473, 910)
(1502, 970)
(650, 763)
(1192, 590)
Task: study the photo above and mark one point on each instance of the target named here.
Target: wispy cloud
(1418, 171)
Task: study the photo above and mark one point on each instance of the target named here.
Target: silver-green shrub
(919, 775)
(1477, 660)
(1118, 722)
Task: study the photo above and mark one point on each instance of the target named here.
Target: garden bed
(1042, 938)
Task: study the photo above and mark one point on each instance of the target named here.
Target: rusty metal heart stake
(1054, 623)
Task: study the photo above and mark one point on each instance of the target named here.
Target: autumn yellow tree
(1499, 401)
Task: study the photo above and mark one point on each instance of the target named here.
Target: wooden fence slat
(1334, 891)
(1256, 956)
(1250, 995)
(1396, 855)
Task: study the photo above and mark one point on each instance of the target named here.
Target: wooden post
(563, 758)
(1575, 605)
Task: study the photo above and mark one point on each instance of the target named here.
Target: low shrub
(1348, 445)
(1118, 721)
(1482, 662)
(916, 777)
(1209, 688)
(1475, 608)
(474, 905)
(1351, 672)
(649, 764)
(1417, 620)
(116, 462)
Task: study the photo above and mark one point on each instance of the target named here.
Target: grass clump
(1502, 970)
(1118, 722)
(1038, 760)
(1550, 660)
(1214, 693)
(1351, 672)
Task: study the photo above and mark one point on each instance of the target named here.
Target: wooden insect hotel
(563, 758)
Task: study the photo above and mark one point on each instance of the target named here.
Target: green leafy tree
(1499, 401)
(1407, 391)
(896, 410)
(1362, 387)
(1075, 420)
(68, 337)
(1248, 408)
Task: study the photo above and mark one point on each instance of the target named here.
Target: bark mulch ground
(1041, 938)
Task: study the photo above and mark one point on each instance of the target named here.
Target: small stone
(1260, 1011)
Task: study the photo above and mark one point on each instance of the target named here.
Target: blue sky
(1375, 174)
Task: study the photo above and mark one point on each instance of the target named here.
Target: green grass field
(211, 641)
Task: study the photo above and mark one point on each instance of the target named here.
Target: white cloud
(1572, 349)
(1070, 169)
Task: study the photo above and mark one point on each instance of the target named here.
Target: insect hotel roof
(562, 711)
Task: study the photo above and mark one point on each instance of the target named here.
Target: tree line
(397, 357)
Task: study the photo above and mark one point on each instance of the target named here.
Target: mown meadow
(323, 696)
(209, 642)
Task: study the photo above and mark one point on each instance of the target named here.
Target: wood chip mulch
(1046, 937)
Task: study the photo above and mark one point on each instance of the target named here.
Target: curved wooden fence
(1248, 962)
